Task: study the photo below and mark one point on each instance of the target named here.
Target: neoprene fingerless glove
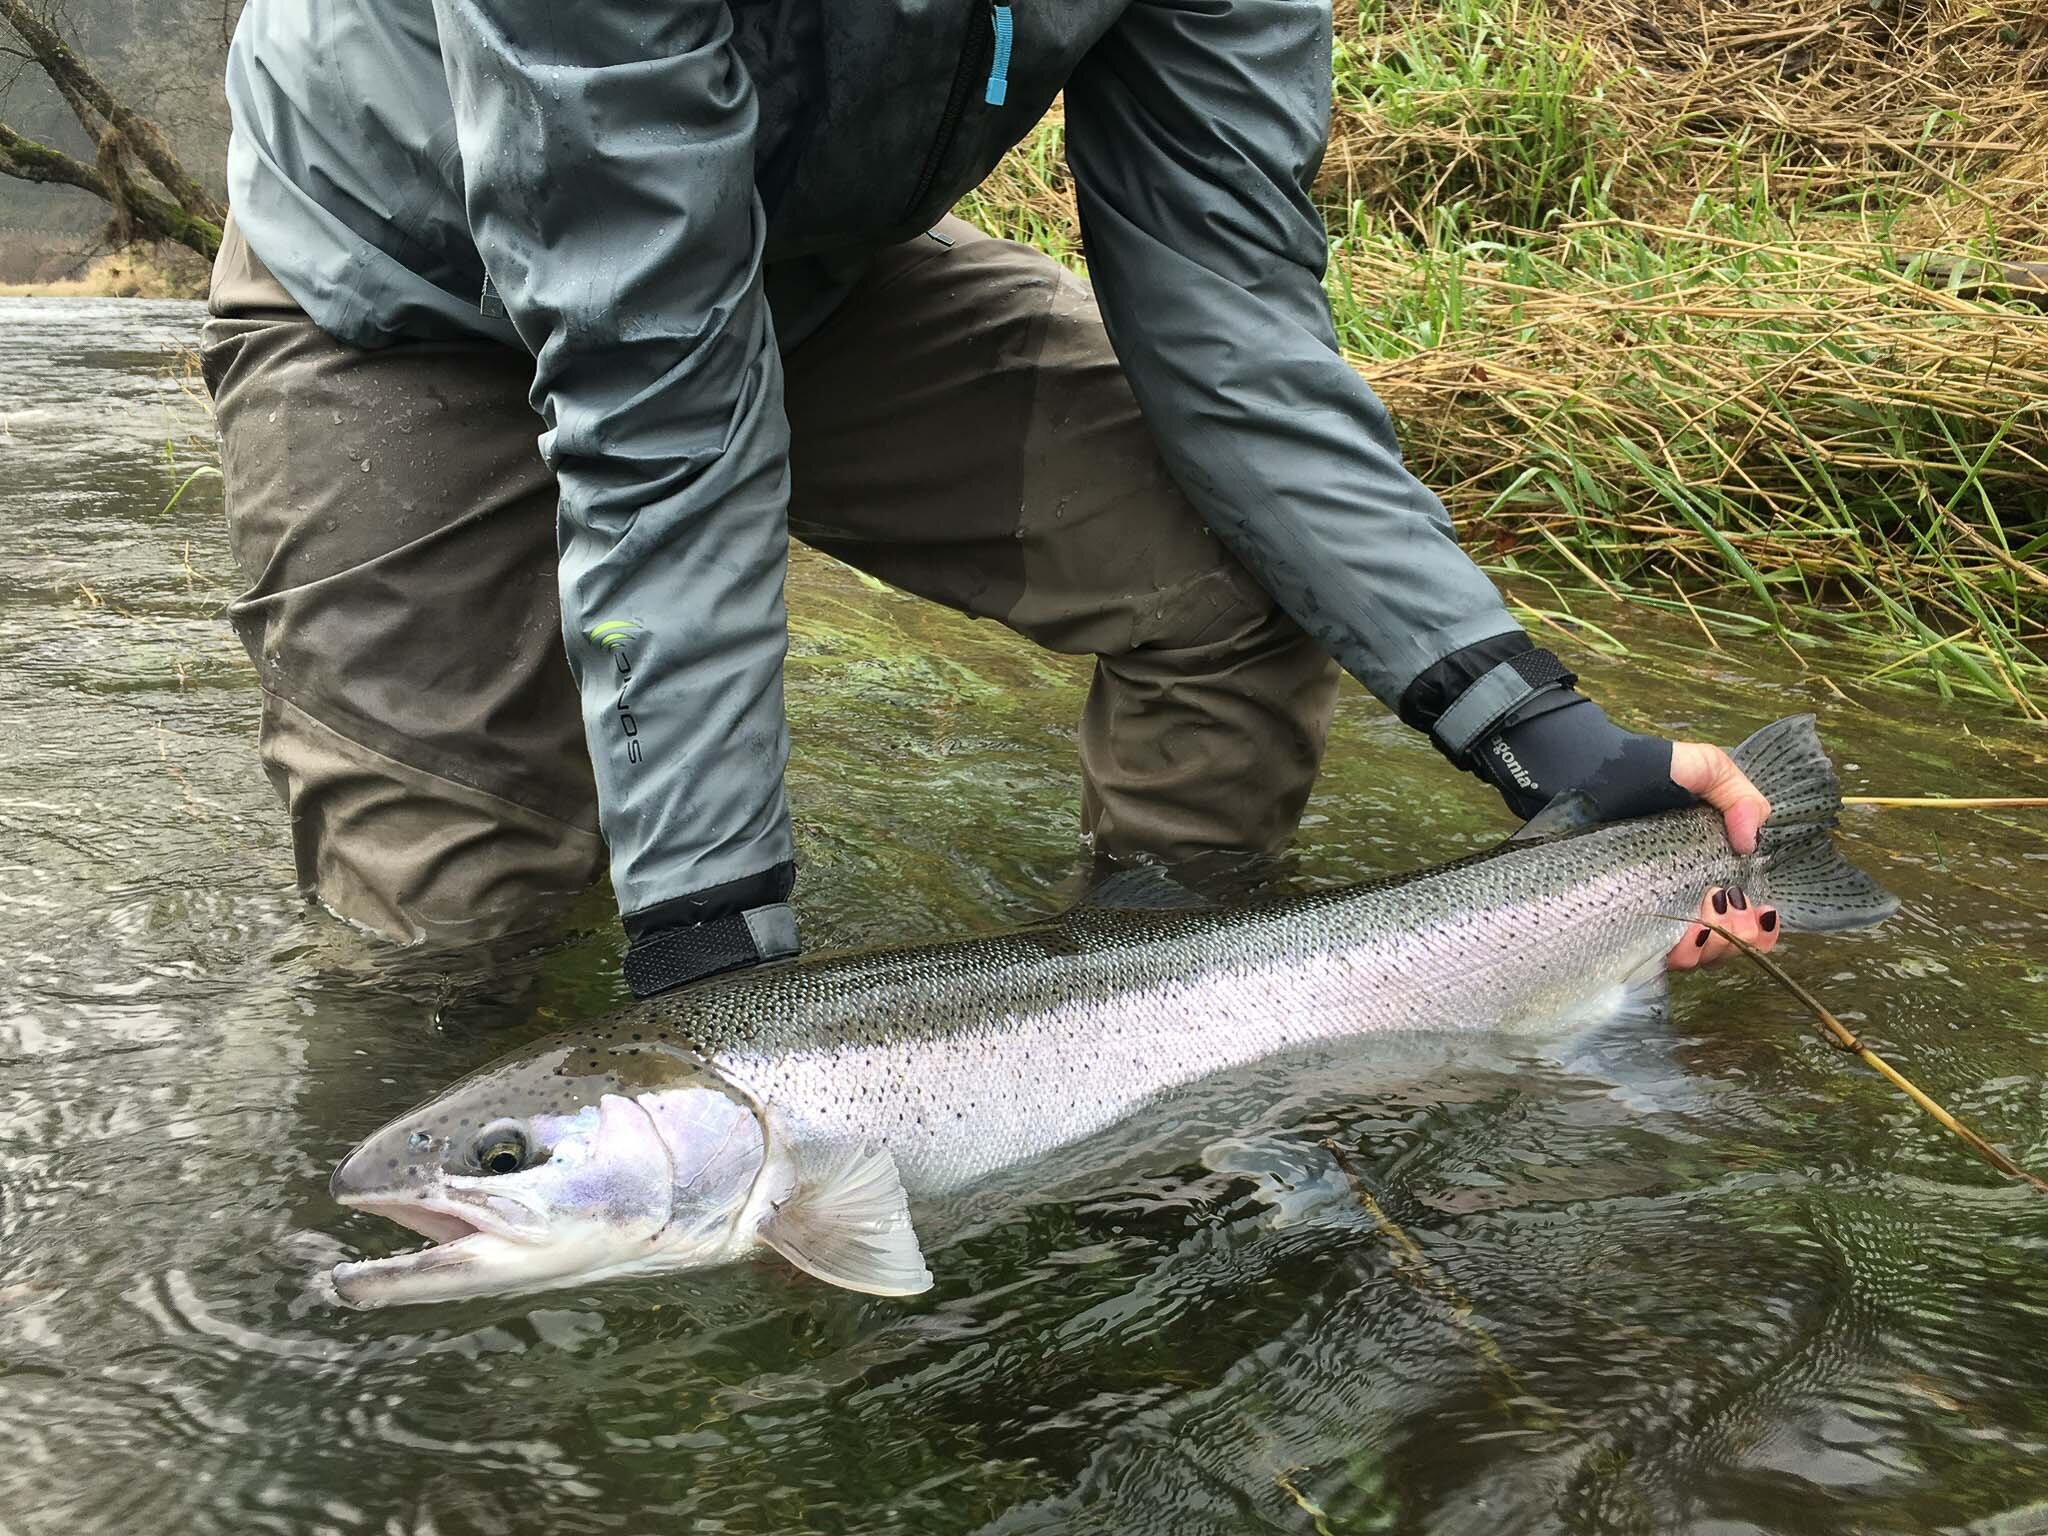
(1562, 742)
(1509, 713)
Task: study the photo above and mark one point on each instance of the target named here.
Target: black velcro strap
(1496, 697)
(764, 888)
(1437, 689)
(677, 955)
(1540, 669)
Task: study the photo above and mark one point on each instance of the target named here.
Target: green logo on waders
(612, 634)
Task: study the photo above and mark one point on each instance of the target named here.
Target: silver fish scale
(967, 1056)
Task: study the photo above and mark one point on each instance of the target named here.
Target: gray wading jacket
(627, 171)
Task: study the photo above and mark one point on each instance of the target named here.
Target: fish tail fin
(1816, 890)
(1787, 762)
(1804, 875)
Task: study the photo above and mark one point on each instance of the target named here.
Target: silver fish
(803, 1108)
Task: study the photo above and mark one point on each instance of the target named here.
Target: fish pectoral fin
(848, 1223)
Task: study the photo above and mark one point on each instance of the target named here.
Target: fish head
(583, 1159)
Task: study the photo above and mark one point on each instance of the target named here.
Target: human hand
(1729, 908)
(1623, 774)
(1711, 774)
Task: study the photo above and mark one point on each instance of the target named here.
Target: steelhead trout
(803, 1108)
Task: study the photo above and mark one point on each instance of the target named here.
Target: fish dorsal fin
(1140, 888)
(1572, 811)
(847, 1222)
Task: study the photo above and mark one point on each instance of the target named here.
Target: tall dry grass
(133, 272)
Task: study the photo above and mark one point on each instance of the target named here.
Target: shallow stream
(1719, 1280)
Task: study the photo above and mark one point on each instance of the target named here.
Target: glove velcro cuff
(1495, 696)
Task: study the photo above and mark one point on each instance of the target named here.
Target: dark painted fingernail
(1721, 901)
(1701, 941)
(1739, 901)
(1768, 921)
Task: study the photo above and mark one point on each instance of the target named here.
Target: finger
(1720, 907)
(1744, 818)
(1698, 942)
(1690, 952)
(1743, 925)
(1769, 928)
(1730, 910)
(1756, 926)
(1711, 774)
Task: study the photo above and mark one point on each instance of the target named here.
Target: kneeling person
(707, 245)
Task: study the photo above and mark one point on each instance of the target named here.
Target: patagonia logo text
(1512, 763)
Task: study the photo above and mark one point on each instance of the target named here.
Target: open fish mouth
(447, 1216)
(464, 1240)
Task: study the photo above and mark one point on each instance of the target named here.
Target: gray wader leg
(961, 429)
(396, 528)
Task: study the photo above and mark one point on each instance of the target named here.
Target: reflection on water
(1718, 1280)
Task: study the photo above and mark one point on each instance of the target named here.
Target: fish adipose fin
(1805, 877)
(1572, 811)
(848, 1223)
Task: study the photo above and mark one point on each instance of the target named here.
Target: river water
(1718, 1279)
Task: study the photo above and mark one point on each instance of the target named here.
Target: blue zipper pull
(999, 67)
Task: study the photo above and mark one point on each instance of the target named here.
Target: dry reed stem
(1952, 803)
(1427, 1278)
(1848, 1040)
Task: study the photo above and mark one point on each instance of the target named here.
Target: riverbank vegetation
(1738, 310)
(133, 272)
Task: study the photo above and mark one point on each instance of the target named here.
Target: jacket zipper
(986, 47)
(998, 90)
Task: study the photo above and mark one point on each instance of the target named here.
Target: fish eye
(502, 1148)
